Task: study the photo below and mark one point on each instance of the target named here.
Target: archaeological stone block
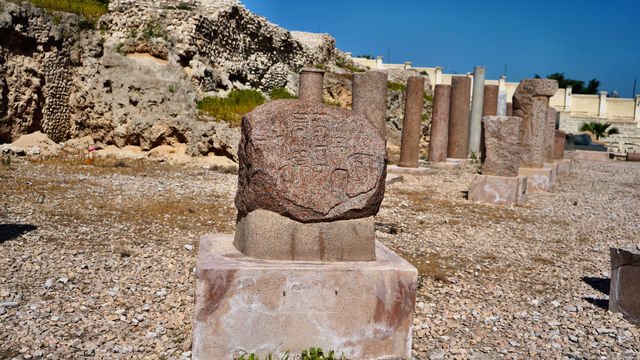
(311, 85)
(624, 295)
(530, 102)
(590, 155)
(264, 232)
(553, 166)
(362, 310)
(440, 124)
(538, 179)
(633, 156)
(564, 167)
(498, 190)
(502, 145)
(370, 97)
(550, 134)
(459, 117)
(412, 123)
(559, 140)
(310, 162)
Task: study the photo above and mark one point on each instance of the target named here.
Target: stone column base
(363, 310)
(392, 179)
(554, 171)
(590, 155)
(564, 167)
(459, 161)
(440, 165)
(538, 179)
(395, 169)
(499, 190)
(624, 295)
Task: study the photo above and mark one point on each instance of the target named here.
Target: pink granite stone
(412, 123)
(560, 138)
(459, 117)
(624, 296)
(549, 139)
(530, 102)
(440, 124)
(363, 310)
(633, 156)
(311, 85)
(501, 135)
(498, 190)
(310, 162)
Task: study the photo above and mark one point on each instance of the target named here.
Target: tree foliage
(599, 129)
(578, 86)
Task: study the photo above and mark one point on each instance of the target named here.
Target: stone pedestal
(624, 296)
(459, 116)
(559, 140)
(550, 134)
(394, 169)
(499, 190)
(564, 167)
(311, 85)
(538, 179)
(590, 155)
(440, 124)
(554, 170)
(412, 123)
(363, 310)
(440, 165)
(459, 161)
(370, 97)
(502, 145)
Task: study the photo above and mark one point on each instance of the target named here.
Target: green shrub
(394, 86)
(281, 93)
(428, 98)
(87, 8)
(87, 24)
(332, 103)
(231, 108)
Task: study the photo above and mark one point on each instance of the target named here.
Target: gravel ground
(97, 261)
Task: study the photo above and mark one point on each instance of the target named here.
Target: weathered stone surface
(394, 169)
(370, 97)
(490, 101)
(564, 167)
(509, 109)
(440, 124)
(499, 190)
(530, 102)
(310, 162)
(559, 140)
(502, 145)
(550, 133)
(624, 296)
(554, 170)
(411, 126)
(264, 234)
(311, 84)
(538, 179)
(364, 309)
(459, 113)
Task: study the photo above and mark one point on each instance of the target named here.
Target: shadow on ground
(602, 285)
(13, 231)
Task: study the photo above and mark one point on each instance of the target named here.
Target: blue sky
(583, 39)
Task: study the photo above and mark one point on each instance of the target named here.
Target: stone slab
(624, 294)
(363, 310)
(440, 165)
(499, 190)
(564, 167)
(538, 179)
(501, 156)
(392, 179)
(394, 169)
(554, 171)
(590, 155)
(263, 234)
(460, 161)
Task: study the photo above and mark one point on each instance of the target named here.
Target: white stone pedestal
(554, 170)
(499, 190)
(363, 310)
(538, 179)
(395, 169)
(564, 167)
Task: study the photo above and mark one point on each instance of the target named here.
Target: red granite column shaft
(311, 84)
(411, 125)
(459, 116)
(370, 97)
(440, 123)
(490, 104)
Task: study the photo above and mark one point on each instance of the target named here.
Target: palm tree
(599, 129)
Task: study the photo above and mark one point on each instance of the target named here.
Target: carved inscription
(324, 161)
